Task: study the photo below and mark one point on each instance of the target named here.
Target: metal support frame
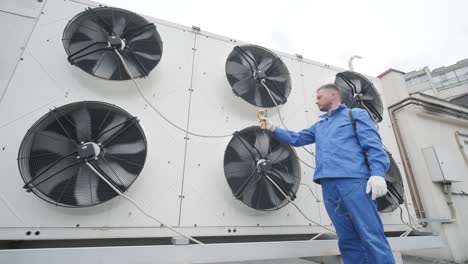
(193, 253)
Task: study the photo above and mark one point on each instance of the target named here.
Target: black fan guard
(53, 154)
(92, 37)
(395, 195)
(248, 65)
(357, 91)
(251, 155)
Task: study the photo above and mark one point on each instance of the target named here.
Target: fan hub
(88, 151)
(116, 42)
(259, 75)
(263, 166)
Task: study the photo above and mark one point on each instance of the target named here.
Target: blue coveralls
(342, 171)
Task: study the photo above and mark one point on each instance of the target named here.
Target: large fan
(357, 91)
(395, 195)
(247, 66)
(252, 155)
(92, 37)
(53, 155)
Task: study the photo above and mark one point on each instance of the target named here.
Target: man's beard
(325, 108)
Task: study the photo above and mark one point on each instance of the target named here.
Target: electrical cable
(281, 120)
(316, 199)
(370, 114)
(137, 206)
(158, 112)
(297, 207)
(410, 218)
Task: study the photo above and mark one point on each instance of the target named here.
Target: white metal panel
(45, 79)
(433, 164)
(18, 31)
(26, 8)
(215, 110)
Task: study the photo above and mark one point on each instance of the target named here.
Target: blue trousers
(354, 214)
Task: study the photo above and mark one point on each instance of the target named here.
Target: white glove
(268, 124)
(376, 185)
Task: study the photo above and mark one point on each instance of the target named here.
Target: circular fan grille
(53, 155)
(357, 91)
(395, 195)
(251, 156)
(92, 37)
(247, 66)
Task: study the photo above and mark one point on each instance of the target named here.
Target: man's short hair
(329, 86)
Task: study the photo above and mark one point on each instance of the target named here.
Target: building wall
(420, 129)
(444, 82)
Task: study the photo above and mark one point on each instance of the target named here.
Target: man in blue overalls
(350, 183)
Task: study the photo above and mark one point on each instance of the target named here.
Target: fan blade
(235, 68)
(52, 135)
(276, 97)
(89, 29)
(53, 142)
(44, 170)
(248, 191)
(98, 62)
(279, 78)
(357, 83)
(262, 142)
(147, 56)
(127, 148)
(266, 62)
(242, 149)
(113, 126)
(131, 65)
(283, 178)
(258, 98)
(79, 41)
(49, 186)
(341, 83)
(258, 196)
(251, 57)
(275, 197)
(107, 65)
(88, 61)
(82, 120)
(115, 173)
(278, 155)
(85, 189)
(119, 25)
(243, 86)
(145, 35)
(367, 97)
(239, 169)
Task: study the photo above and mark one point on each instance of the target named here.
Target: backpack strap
(353, 123)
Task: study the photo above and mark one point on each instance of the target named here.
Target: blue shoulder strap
(353, 123)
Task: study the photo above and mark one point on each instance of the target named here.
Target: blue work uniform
(342, 171)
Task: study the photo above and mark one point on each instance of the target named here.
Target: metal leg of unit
(398, 257)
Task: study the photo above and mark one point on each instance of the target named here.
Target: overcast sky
(405, 35)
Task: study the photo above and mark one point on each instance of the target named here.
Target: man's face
(325, 99)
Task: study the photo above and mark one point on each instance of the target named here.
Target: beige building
(449, 82)
(429, 115)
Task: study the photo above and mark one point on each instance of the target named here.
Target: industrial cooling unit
(93, 103)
